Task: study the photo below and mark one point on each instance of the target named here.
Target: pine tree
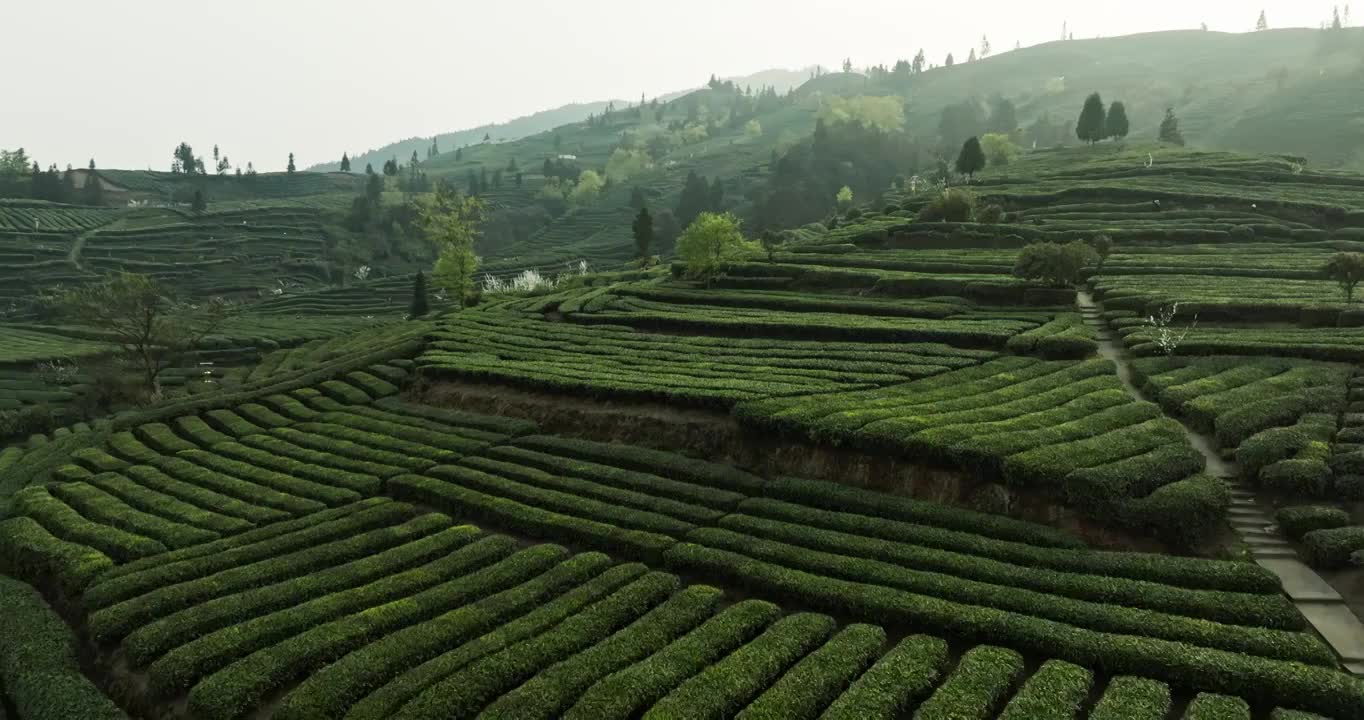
(972, 56)
(369, 168)
(643, 230)
(291, 164)
(92, 163)
(984, 46)
(199, 204)
(1262, 23)
(1115, 125)
(949, 61)
(1169, 128)
(345, 163)
(971, 159)
(1091, 126)
(419, 304)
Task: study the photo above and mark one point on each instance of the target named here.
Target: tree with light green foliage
(753, 129)
(844, 198)
(884, 113)
(624, 163)
(711, 240)
(450, 223)
(589, 186)
(999, 149)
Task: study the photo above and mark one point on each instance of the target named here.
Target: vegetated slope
(1256, 92)
(1229, 91)
(535, 123)
(239, 554)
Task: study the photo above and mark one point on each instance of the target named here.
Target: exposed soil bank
(719, 437)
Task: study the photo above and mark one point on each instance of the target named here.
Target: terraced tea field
(923, 487)
(311, 549)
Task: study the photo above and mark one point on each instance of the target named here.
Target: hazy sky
(123, 82)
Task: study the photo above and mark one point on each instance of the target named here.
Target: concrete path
(1315, 598)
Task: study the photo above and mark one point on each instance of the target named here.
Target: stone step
(1273, 553)
(1339, 625)
(1264, 541)
(1243, 510)
(1299, 581)
(1255, 530)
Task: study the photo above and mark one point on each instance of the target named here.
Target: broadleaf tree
(1347, 270)
(451, 223)
(711, 240)
(154, 329)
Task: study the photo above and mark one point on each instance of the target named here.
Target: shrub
(32, 553)
(1350, 487)
(991, 214)
(1318, 687)
(633, 690)
(1301, 519)
(1055, 692)
(403, 661)
(1055, 263)
(977, 686)
(1208, 706)
(1297, 478)
(1184, 513)
(809, 687)
(1132, 698)
(159, 637)
(1331, 549)
(554, 689)
(233, 691)
(38, 665)
(897, 682)
(724, 688)
(466, 692)
(953, 205)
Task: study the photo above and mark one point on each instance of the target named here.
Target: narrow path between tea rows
(1315, 598)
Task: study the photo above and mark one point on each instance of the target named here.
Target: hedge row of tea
(244, 552)
(603, 360)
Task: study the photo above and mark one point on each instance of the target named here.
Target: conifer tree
(1262, 23)
(345, 163)
(1115, 125)
(291, 164)
(971, 159)
(1092, 124)
(1169, 128)
(420, 306)
(643, 230)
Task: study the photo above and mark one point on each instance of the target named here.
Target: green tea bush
(1299, 520)
(1055, 692)
(39, 668)
(977, 686)
(409, 660)
(1331, 549)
